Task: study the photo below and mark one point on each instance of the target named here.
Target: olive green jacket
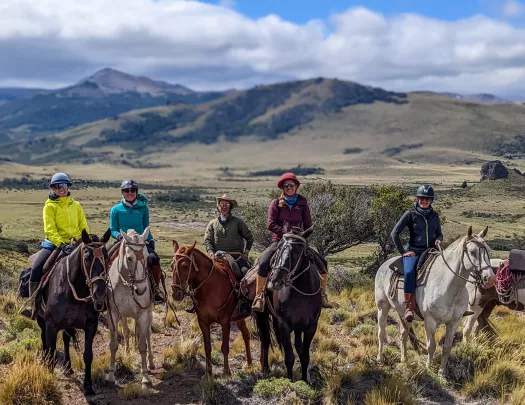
(228, 236)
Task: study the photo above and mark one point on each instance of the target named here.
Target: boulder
(493, 170)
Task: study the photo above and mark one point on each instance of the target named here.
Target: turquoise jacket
(123, 217)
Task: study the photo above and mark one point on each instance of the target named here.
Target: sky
(467, 46)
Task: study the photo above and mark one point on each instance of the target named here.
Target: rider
(291, 210)
(425, 232)
(64, 220)
(132, 213)
(228, 234)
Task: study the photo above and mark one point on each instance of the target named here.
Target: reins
(98, 254)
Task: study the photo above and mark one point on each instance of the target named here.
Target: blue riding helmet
(59, 178)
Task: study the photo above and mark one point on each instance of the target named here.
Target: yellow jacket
(63, 219)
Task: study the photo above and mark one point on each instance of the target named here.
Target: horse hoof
(151, 366)
(88, 391)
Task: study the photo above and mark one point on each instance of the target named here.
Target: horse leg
(151, 363)
(125, 332)
(40, 321)
(51, 340)
(141, 331)
(66, 337)
(205, 329)
(263, 326)
(113, 345)
(403, 329)
(447, 344)
(430, 331)
(289, 357)
(305, 356)
(298, 342)
(225, 346)
(382, 316)
(241, 324)
(470, 321)
(89, 334)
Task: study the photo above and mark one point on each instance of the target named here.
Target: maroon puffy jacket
(281, 217)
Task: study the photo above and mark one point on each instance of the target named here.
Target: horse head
(94, 261)
(133, 256)
(184, 270)
(478, 256)
(290, 252)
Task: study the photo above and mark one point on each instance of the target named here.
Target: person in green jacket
(64, 220)
(228, 234)
(132, 213)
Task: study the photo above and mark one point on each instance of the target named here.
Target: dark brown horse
(294, 303)
(206, 282)
(74, 296)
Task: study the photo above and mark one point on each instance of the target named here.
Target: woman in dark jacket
(290, 210)
(425, 232)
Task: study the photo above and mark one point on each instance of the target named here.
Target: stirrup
(259, 303)
(409, 315)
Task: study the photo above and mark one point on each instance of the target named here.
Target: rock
(517, 172)
(493, 170)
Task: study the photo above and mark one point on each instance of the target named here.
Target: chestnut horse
(198, 276)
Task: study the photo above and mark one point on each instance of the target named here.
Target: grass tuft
(278, 387)
(133, 391)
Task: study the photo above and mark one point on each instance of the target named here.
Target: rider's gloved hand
(66, 249)
(219, 253)
(151, 243)
(245, 255)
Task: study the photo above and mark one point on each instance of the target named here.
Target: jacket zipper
(426, 224)
(69, 221)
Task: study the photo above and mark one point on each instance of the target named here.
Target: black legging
(38, 266)
(153, 257)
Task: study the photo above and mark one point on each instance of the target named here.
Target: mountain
(483, 98)
(14, 93)
(107, 93)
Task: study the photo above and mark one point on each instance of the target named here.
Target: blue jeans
(409, 266)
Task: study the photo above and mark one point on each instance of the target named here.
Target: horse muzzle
(99, 305)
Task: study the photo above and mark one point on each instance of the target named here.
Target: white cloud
(512, 8)
(227, 3)
(205, 46)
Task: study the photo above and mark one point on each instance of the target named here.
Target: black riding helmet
(425, 190)
(129, 184)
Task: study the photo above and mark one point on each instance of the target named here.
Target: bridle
(185, 288)
(290, 239)
(476, 272)
(132, 272)
(97, 248)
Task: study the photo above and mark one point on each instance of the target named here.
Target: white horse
(483, 301)
(443, 299)
(130, 295)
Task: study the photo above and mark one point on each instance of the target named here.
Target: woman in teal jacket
(132, 213)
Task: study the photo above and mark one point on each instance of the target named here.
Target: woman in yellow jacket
(64, 220)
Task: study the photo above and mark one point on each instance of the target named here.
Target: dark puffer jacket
(424, 230)
(281, 217)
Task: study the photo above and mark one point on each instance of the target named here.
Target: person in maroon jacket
(290, 210)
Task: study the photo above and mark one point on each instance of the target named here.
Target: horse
(130, 295)
(483, 301)
(294, 303)
(206, 282)
(73, 299)
(443, 299)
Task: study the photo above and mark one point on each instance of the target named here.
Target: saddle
(517, 260)
(397, 265)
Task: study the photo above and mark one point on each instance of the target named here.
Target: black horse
(294, 303)
(74, 296)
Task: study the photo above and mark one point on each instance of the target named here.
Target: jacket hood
(142, 201)
(52, 199)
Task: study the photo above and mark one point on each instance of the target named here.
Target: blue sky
(301, 11)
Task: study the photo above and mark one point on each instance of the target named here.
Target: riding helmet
(129, 184)
(425, 190)
(59, 178)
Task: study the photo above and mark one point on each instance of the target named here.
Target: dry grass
(29, 383)
(391, 392)
(182, 356)
(133, 391)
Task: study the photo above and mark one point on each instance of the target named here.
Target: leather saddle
(228, 260)
(517, 260)
(397, 265)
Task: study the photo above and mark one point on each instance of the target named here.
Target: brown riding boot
(409, 307)
(157, 274)
(258, 301)
(324, 298)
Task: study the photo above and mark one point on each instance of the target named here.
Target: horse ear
(145, 234)
(106, 236)
(308, 232)
(469, 232)
(174, 245)
(85, 237)
(126, 237)
(191, 248)
(483, 233)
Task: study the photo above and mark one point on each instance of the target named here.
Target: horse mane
(456, 244)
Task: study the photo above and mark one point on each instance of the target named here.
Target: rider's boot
(409, 307)
(324, 298)
(157, 274)
(258, 301)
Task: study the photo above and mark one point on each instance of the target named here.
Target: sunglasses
(289, 185)
(425, 198)
(63, 186)
(129, 190)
